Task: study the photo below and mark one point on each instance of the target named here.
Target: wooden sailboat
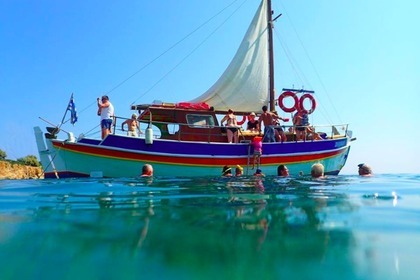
(187, 139)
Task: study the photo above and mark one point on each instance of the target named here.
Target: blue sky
(361, 58)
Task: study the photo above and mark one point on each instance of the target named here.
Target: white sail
(244, 86)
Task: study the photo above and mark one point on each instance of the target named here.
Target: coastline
(14, 170)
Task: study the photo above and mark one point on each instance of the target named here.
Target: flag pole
(65, 113)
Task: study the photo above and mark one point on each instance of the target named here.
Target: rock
(11, 170)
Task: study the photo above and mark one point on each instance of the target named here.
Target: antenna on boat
(271, 54)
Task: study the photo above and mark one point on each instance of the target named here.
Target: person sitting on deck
(253, 124)
(301, 121)
(279, 131)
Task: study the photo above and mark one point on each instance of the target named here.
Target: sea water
(340, 227)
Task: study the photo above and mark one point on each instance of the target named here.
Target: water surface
(341, 227)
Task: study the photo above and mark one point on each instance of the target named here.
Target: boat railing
(216, 133)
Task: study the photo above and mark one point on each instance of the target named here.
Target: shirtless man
(269, 120)
(132, 125)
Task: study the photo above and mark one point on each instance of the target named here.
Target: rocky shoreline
(11, 170)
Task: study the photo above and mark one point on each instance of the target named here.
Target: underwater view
(338, 227)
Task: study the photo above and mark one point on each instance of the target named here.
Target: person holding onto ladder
(257, 144)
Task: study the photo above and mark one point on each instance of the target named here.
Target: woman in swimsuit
(231, 126)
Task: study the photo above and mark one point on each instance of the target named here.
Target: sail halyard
(245, 86)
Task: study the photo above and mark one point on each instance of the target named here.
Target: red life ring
(288, 94)
(313, 103)
(241, 122)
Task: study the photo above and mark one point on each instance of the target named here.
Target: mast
(270, 55)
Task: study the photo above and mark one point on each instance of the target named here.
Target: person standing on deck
(106, 111)
(132, 125)
(232, 128)
(269, 120)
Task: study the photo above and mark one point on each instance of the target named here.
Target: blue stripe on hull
(218, 149)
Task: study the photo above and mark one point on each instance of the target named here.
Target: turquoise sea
(340, 227)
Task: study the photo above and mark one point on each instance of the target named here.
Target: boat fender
(313, 102)
(149, 135)
(70, 137)
(283, 96)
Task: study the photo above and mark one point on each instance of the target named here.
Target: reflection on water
(183, 228)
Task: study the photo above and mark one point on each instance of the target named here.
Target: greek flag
(72, 108)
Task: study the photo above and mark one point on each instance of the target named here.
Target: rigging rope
(172, 47)
(167, 51)
(193, 50)
(312, 64)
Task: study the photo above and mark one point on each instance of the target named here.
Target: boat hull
(122, 156)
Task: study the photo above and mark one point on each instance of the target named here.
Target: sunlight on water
(343, 227)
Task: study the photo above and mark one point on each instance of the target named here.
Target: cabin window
(173, 128)
(200, 121)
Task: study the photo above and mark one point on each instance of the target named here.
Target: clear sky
(361, 57)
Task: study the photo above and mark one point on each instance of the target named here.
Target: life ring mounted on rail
(298, 103)
(288, 94)
(241, 122)
(313, 102)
